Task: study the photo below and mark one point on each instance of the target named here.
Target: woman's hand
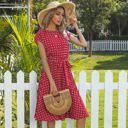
(53, 88)
(73, 22)
(81, 41)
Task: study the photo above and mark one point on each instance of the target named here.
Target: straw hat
(68, 6)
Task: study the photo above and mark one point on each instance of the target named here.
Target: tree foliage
(27, 57)
(93, 15)
(119, 19)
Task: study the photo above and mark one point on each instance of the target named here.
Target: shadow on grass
(102, 60)
(120, 63)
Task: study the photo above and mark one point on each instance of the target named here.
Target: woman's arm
(81, 41)
(43, 56)
(44, 60)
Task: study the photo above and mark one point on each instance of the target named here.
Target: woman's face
(58, 16)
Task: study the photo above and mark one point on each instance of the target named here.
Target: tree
(93, 14)
(119, 18)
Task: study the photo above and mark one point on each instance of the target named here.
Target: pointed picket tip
(20, 75)
(32, 73)
(7, 76)
(7, 73)
(82, 75)
(122, 76)
(123, 72)
(82, 71)
(32, 76)
(95, 73)
(108, 74)
(82, 78)
(20, 72)
(108, 71)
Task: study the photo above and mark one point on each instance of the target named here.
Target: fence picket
(33, 93)
(70, 123)
(20, 99)
(44, 124)
(58, 124)
(82, 86)
(122, 100)
(108, 100)
(8, 99)
(94, 99)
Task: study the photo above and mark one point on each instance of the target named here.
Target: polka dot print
(57, 52)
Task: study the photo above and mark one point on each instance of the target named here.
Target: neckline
(51, 30)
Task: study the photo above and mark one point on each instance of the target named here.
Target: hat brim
(67, 6)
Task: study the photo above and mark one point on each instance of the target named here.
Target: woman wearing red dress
(52, 41)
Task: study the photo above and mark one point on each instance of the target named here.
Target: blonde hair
(50, 15)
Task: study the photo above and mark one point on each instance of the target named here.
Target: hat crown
(53, 4)
(68, 6)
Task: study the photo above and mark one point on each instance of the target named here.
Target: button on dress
(57, 52)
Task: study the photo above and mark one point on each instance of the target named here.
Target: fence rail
(95, 86)
(103, 45)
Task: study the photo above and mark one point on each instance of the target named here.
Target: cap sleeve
(37, 37)
(67, 34)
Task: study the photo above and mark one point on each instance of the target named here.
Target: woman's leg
(80, 123)
(51, 124)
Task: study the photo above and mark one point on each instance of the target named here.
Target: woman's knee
(80, 123)
(81, 120)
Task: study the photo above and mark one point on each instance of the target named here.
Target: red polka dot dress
(57, 51)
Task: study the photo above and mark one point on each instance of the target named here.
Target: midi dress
(57, 51)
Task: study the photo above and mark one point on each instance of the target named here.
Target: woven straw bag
(59, 104)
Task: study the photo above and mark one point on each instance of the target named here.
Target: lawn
(101, 61)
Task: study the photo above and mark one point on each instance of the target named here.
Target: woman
(52, 41)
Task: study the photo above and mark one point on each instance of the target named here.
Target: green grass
(100, 61)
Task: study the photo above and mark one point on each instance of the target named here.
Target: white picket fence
(95, 85)
(104, 45)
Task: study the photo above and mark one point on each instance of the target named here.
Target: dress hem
(75, 118)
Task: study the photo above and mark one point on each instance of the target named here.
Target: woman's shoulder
(39, 36)
(40, 31)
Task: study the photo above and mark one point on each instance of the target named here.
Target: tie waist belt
(64, 63)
